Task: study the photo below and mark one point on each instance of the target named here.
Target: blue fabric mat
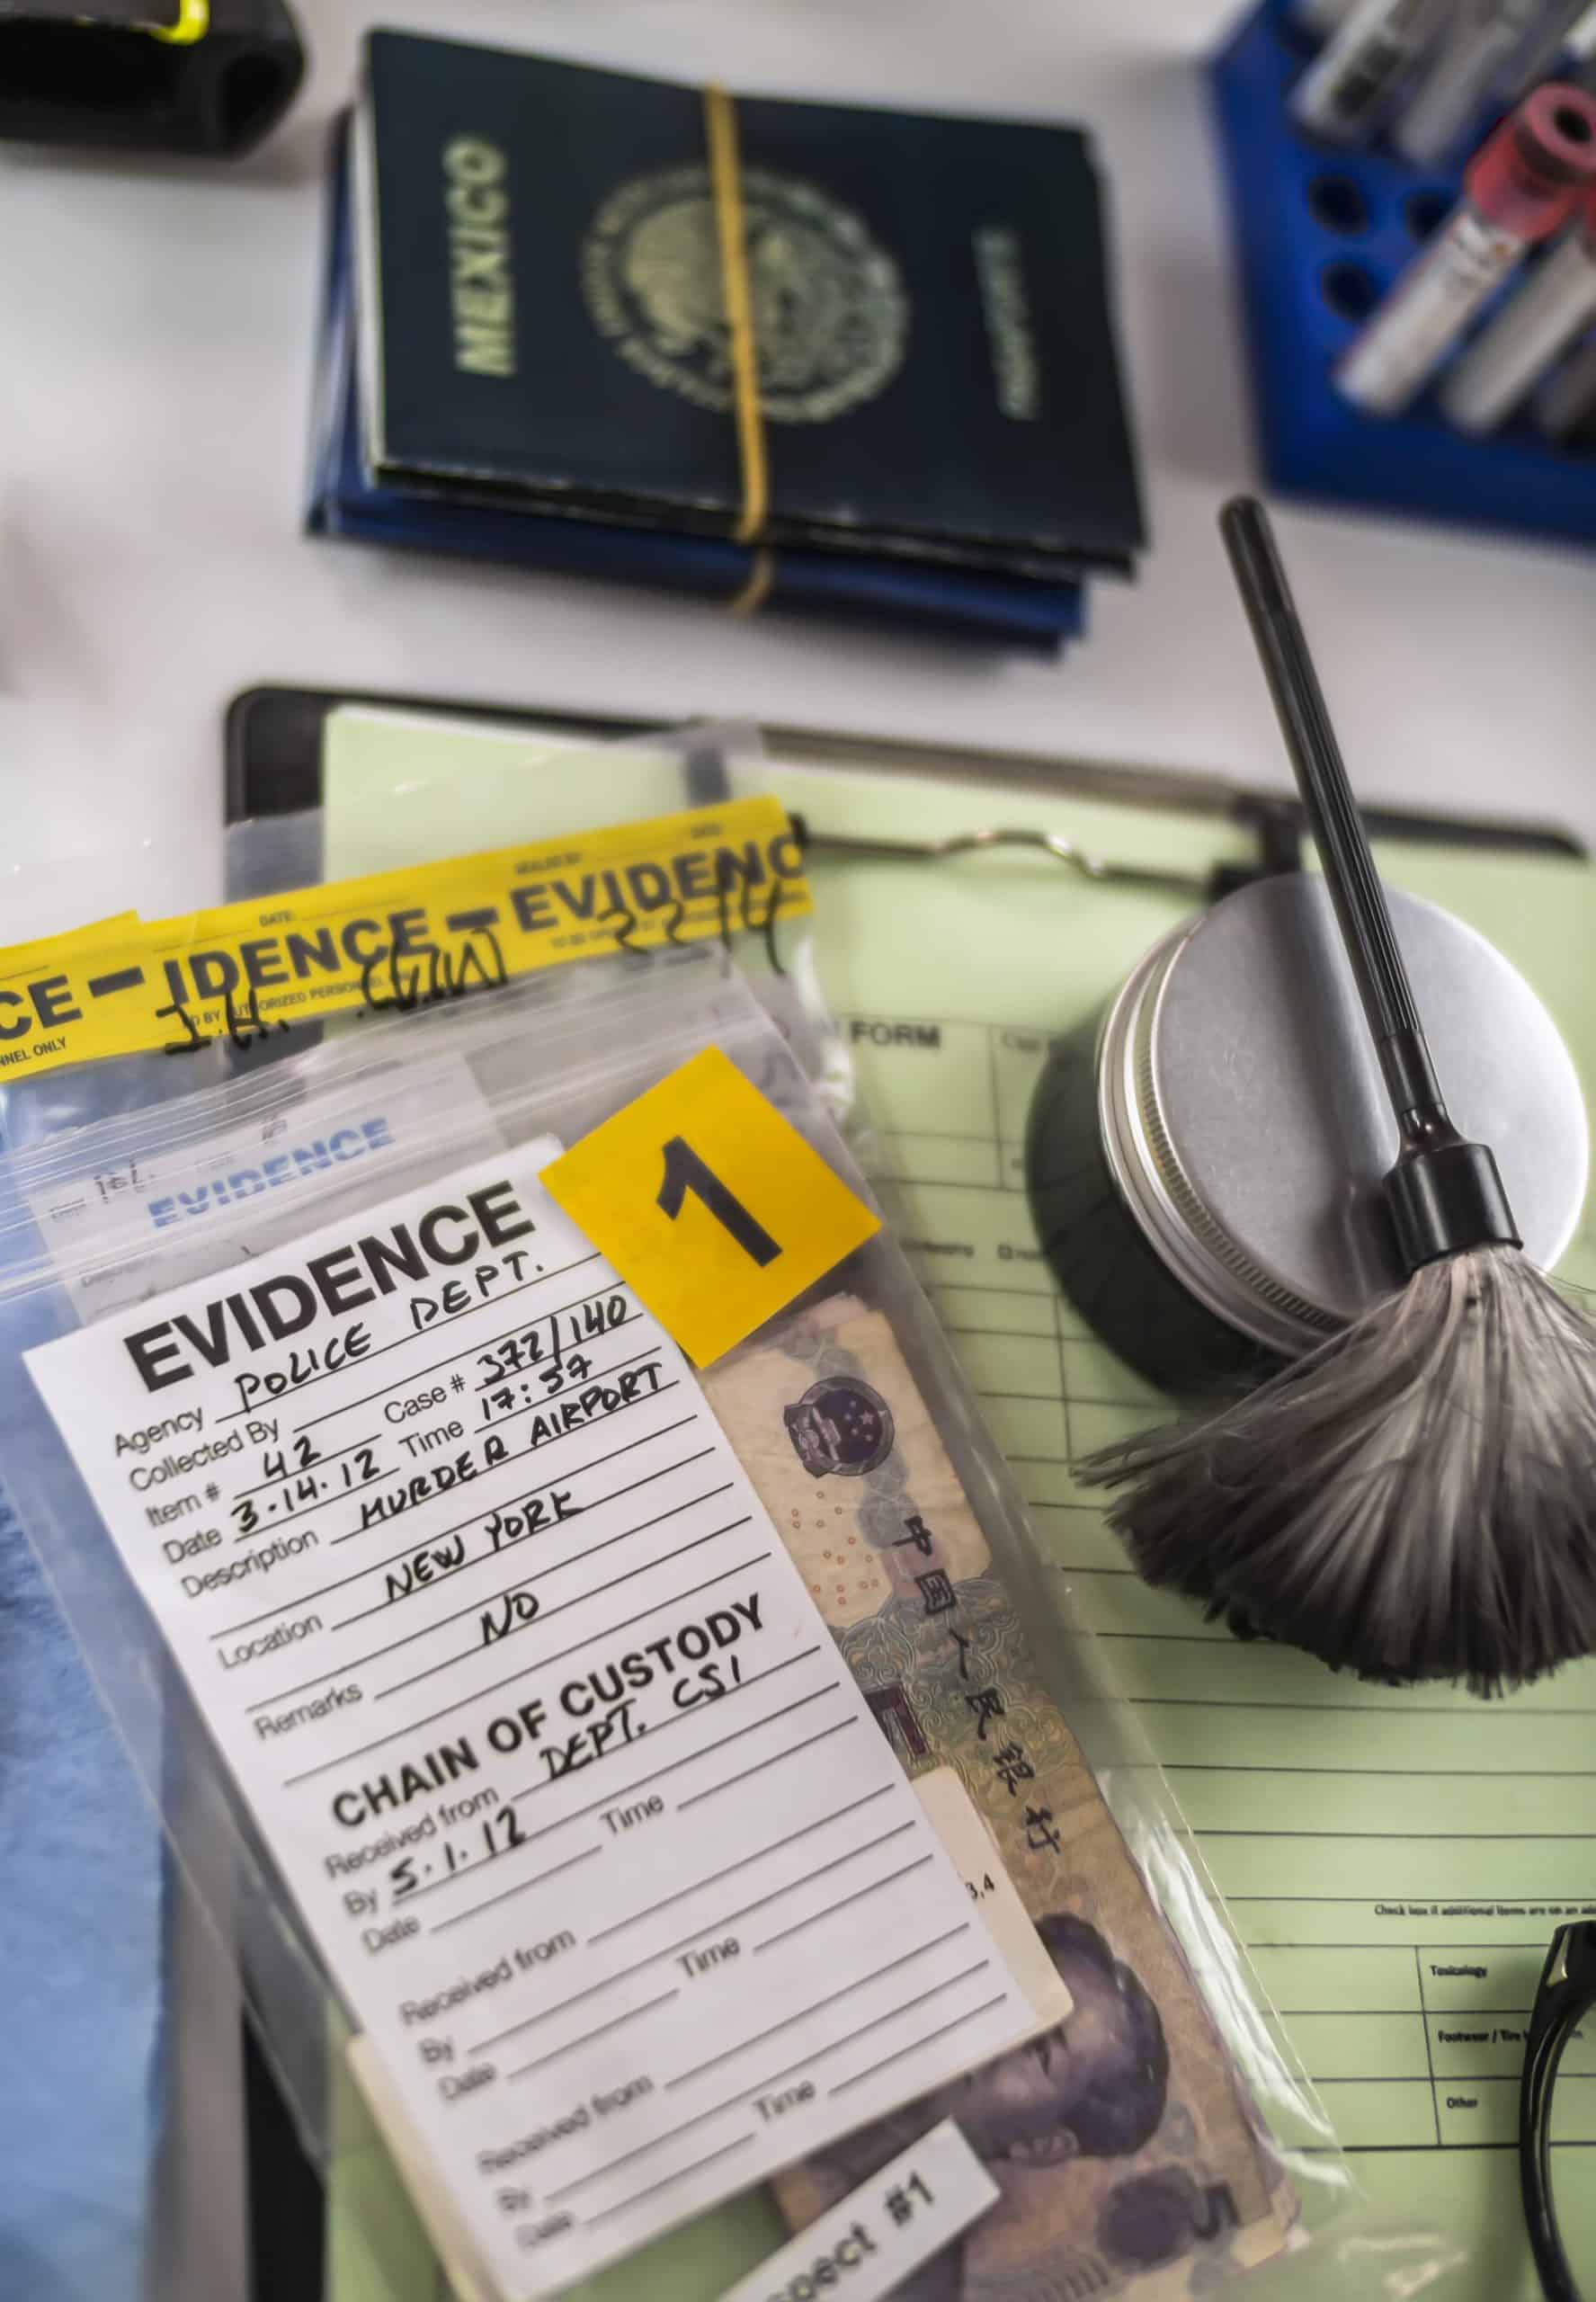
(81, 1947)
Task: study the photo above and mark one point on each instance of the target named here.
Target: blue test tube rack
(1322, 230)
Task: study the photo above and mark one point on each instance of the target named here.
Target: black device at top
(91, 72)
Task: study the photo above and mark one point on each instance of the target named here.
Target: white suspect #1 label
(868, 2242)
(598, 1838)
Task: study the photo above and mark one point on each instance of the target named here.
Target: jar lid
(1245, 1120)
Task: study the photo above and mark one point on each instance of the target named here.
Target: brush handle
(1445, 1194)
(1349, 872)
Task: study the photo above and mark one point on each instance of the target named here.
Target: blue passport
(543, 315)
(347, 500)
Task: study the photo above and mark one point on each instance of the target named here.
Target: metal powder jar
(1204, 1158)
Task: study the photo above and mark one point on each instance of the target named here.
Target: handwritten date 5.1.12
(496, 1834)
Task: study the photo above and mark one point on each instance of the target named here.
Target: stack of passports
(526, 355)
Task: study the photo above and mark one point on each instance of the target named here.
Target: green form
(1396, 1860)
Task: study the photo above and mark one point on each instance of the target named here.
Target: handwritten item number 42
(710, 1204)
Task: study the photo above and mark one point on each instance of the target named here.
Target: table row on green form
(1422, 2044)
(949, 1101)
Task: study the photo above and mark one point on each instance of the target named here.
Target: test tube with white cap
(1554, 307)
(1578, 53)
(1522, 185)
(1350, 85)
(1320, 19)
(1454, 87)
(1555, 50)
(1564, 407)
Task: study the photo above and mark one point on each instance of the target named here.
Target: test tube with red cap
(1523, 184)
(1540, 319)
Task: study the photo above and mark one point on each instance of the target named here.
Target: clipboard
(948, 976)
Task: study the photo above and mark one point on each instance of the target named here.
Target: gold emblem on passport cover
(830, 313)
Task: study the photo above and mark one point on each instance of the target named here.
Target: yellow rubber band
(726, 185)
(756, 591)
(193, 24)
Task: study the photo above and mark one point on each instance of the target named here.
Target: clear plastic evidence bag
(671, 1766)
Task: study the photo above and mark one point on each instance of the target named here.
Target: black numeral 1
(686, 1171)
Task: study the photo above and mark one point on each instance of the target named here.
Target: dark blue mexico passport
(345, 501)
(543, 318)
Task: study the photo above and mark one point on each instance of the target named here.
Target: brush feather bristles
(1415, 1499)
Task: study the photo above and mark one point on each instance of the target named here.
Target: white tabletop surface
(154, 380)
(155, 377)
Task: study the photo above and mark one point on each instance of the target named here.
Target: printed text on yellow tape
(398, 940)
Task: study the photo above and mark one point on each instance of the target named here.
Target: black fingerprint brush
(1415, 1498)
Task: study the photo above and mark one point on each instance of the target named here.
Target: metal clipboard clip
(1207, 886)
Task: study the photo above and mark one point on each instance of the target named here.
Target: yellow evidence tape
(396, 940)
